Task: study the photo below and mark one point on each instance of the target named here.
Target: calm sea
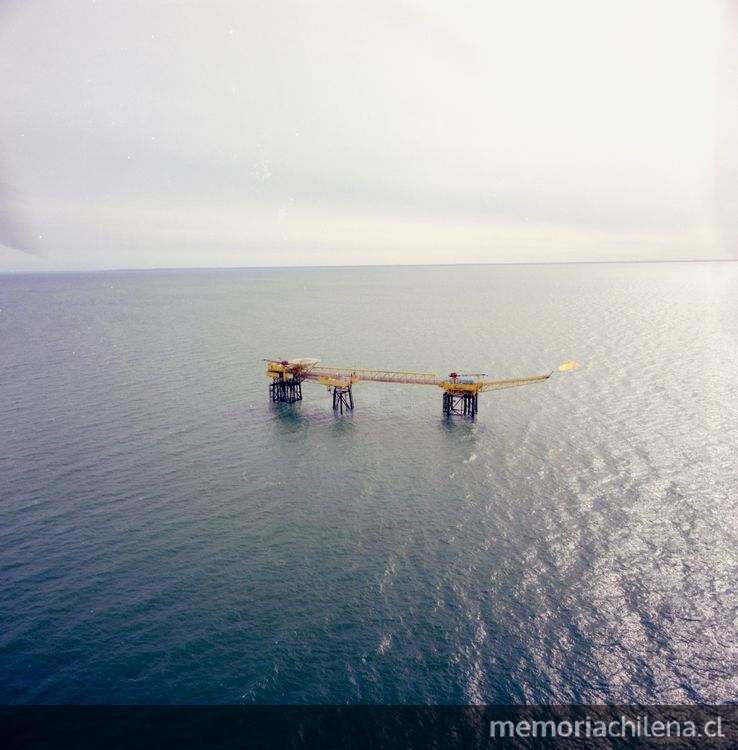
(167, 535)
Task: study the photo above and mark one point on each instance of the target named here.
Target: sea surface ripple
(167, 535)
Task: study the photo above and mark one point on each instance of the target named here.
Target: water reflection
(455, 425)
(343, 424)
(289, 415)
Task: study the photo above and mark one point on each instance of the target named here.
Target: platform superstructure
(460, 391)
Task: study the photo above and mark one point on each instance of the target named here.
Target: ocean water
(168, 535)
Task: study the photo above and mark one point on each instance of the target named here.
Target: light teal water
(168, 535)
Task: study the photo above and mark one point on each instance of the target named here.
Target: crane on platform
(460, 391)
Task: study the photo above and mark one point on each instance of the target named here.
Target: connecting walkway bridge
(460, 392)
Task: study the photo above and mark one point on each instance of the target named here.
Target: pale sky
(144, 133)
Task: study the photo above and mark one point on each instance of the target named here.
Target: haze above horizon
(144, 135)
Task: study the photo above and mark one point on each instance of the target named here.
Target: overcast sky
(139, 133)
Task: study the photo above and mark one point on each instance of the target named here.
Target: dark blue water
(167, 535)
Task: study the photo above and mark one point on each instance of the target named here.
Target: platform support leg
(286, 391)
(461, 404)
(343, 398)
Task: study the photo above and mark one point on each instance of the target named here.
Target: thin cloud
(553, 131)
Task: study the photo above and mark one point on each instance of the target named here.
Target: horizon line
(159, 269)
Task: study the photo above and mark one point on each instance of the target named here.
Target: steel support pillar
(286, 391)
(463, 404)
(342, 397)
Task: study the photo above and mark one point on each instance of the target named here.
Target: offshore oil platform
(460, 391)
